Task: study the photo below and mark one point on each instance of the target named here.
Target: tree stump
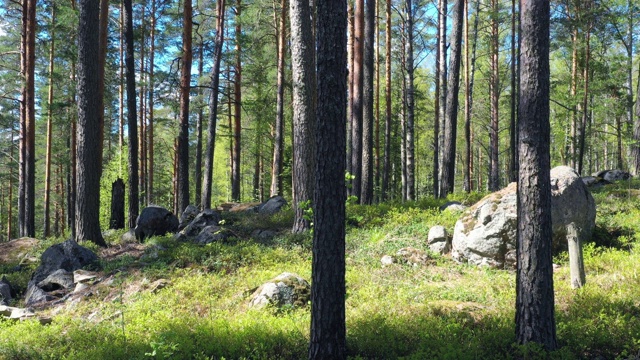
(117, 205)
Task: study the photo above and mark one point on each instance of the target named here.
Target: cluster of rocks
(201, 227)
(55, 276)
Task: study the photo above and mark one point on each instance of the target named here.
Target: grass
(441, 311)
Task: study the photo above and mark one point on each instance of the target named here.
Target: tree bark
(27, 165)
(47, 167)
(441, 91)
(185, 89)
(410, 104)
(494, 89)
(88, 164)
(103, 28)
(451, 113)
(328, 330)
(237, 105)
(121, 89)
(585, 97)
(142, 177)
(278, 138)
(386, 171)
(366, 181)
(356, 111)
(513, 152)
(197, 173)
(132, 126)
(151, 101)
(213, 107)
(304, 107)
(534, 293)
(116, 221)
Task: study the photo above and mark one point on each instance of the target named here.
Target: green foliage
(440, 311)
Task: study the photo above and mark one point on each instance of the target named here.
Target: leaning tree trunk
(88, 165)
(185, 89)
(585, 99)
(534, 293)
(451, 113)
(213, 107)
(304, 107)
(132, 126)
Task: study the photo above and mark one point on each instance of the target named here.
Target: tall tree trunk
(121, 89)
(151, 101)
(185, 89)
(585, 98)
(630, 31)
(376, 181)
(513, 152)
(10, 204)
(328, 330)
(26, 214)
(573, 91)
(366, 181)
(350, 57)
(451, 119)
(47, 167)
(132, 126)
(142, 147)
(88, 166)
(441, 91)
(386, 171)
(198, 165)
(103, 28)
(534, 292)
(410, 103)
(494, 89)
(356, 111)
(304, 107)
(213, 107)
(237, 104)
(635, 153)
(278, 141)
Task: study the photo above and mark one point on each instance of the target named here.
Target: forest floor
(168, 300)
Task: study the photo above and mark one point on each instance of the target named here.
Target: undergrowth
(444, 310)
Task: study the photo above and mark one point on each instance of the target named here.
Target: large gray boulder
(67, 256)
(486, 233)
(6, 292)
(187, 216)
(272, 206)
(205, 219)
(612, 175)
(155, 221)
(286, 289)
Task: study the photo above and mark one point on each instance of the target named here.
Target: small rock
(286, 289)
(211, 234)
(438, 240)
(129, 237)
(83, 276)
(453, 206)
(387, 260)
(80, 287)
